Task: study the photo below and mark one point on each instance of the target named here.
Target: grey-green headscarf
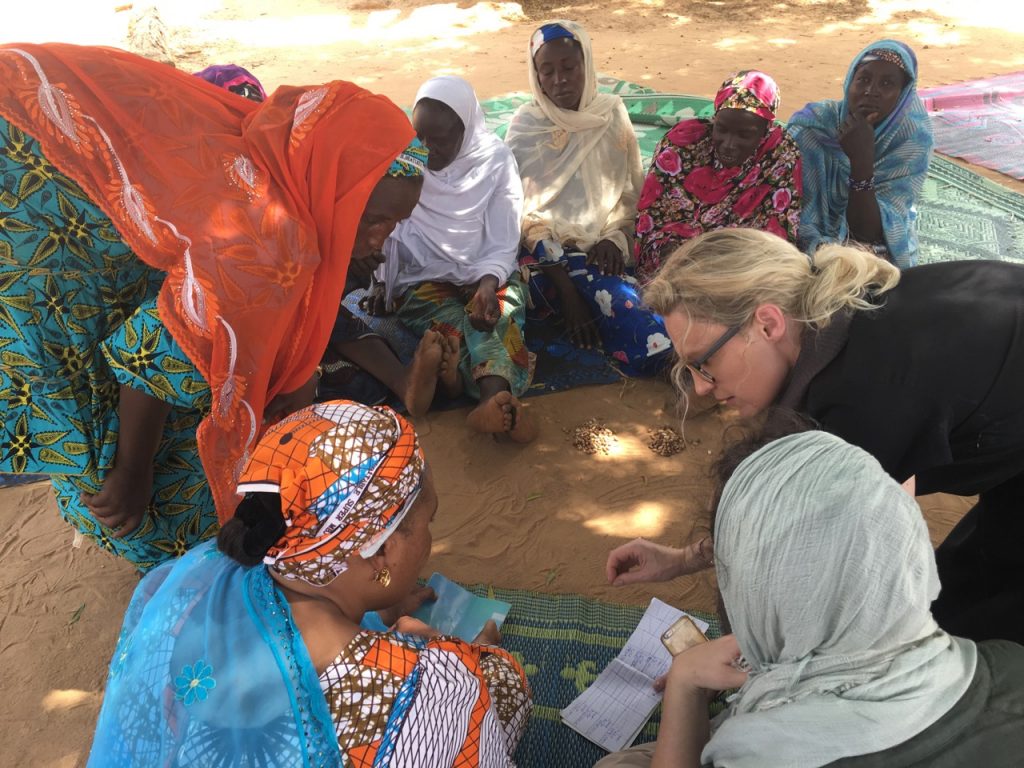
(827, 575)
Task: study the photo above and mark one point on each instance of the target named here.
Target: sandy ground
(539, 518)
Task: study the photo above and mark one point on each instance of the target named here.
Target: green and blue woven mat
(563, 643)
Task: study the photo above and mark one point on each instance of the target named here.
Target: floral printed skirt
(633, 335)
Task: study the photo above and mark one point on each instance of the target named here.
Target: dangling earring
(383, 577)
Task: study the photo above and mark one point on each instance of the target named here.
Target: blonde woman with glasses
(924, 370)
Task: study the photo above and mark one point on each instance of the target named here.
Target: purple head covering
(235, 79)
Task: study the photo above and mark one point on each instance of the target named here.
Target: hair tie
(264, 525)
(814, 267)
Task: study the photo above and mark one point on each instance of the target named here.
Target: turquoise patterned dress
(78, 319)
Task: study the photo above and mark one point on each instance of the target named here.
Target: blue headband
(546, 34)
(412, 162)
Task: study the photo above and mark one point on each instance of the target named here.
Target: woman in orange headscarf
(251, 651)
(171, 263)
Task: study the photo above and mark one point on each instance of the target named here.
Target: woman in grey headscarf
(827, 574)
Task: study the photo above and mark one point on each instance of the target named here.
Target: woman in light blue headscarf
(865, 158)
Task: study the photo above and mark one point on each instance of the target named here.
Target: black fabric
(342, 379)
(817, 351)
(980, 566)
(984, 728)
(932, 385)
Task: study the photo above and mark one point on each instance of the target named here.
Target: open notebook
(615, 707)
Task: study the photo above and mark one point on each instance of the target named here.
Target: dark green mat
(563, 642)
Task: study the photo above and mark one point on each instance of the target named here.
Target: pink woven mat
(981, 121)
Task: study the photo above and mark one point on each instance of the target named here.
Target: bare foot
(451, 379)
(503, 414)
(421, 377)
(524, 430)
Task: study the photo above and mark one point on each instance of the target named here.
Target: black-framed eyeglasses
(698, 364)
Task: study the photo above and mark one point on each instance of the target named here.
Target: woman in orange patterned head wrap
(172, 259)
(260, 653)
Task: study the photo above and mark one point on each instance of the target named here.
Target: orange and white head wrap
(347, 475)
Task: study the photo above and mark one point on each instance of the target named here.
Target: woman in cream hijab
(581, 170)
(827, 575)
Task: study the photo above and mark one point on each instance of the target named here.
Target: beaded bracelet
(862, 186)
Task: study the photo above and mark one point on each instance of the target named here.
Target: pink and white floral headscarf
(751, 91)
(688, 191)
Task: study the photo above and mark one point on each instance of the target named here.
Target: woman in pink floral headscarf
(739, 169)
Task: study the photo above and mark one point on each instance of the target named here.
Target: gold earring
(383, 577)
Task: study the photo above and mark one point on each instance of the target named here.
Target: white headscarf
(466, 225)
(581, 169)
(827, 575)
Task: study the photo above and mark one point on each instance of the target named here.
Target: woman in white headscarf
(827, 575)
(581, 170)
(451, 267)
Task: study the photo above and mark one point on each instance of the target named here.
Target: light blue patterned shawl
(903, 145)
(210, 670)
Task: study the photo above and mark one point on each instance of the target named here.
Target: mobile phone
(682, 635)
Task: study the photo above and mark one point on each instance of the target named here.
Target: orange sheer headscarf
(251, 210)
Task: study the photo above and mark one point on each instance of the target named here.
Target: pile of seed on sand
(665, 441)
(592, 436)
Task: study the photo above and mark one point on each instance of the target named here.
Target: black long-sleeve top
(932, 382)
